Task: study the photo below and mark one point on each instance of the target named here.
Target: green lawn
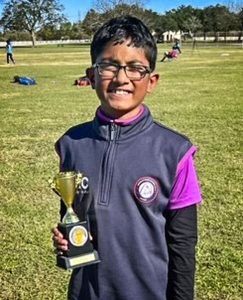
(199, 94)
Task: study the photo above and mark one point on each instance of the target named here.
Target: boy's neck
(124, 119)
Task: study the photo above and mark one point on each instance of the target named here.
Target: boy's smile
(120, 96)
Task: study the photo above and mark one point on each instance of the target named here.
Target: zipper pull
(113, 131)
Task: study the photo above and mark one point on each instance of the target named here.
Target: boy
(142, 176)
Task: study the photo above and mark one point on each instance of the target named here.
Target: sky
(76, 9)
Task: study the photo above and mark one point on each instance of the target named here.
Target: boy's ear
(90, 75)
(153, 80)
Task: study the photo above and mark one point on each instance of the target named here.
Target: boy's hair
(118, 30)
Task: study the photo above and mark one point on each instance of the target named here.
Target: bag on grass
(24, 80)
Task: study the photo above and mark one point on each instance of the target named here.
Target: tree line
(45, 20)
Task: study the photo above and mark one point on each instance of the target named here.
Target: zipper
(108, 165)
(113, 128)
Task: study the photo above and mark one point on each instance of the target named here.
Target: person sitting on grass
(82, 81)
(170, 55)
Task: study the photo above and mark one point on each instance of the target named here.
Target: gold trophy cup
(80, 249)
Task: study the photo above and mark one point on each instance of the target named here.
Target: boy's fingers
(56, 232)
(58, 241)
(60, 245)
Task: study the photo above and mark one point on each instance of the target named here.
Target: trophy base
(78, 261)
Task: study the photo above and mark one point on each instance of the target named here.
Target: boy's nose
(121, 75)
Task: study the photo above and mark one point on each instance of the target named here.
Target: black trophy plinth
(80, 249)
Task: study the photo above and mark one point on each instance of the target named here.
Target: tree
(235, 5)
(180, 15)
(31, 15)
(124, 9)
(218, 18)
(106, 9)
(49, 33)
(91, 22)
(192, 24)
(105, 6)
(237, 8)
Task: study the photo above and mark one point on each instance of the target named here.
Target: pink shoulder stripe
(191, 152)
(186, 189)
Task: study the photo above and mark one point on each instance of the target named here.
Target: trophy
(80, 250)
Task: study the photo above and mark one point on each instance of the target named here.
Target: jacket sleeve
(181, 236)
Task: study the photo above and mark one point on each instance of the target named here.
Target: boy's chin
(120, 111)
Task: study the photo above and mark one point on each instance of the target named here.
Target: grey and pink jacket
(137, 171)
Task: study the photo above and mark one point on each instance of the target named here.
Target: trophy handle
(54, 186)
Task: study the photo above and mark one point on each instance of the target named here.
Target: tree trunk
(33, 38)
(239, 36)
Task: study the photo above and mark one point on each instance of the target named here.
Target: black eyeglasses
(110, 70)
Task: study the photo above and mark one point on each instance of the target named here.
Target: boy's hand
(58, 241)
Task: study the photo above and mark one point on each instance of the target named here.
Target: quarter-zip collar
(107, 128)
(123, 122)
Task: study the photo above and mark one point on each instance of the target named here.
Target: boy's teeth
(121, 92)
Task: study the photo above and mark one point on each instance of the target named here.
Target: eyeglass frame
(119, 67)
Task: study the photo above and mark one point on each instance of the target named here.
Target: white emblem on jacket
(146, 189)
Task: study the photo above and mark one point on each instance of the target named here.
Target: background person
(170, 55)
(177, 46)
(144, 183)
(9, 52)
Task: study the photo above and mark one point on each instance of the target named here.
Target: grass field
(200, 94)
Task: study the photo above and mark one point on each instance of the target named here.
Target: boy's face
(120, 96)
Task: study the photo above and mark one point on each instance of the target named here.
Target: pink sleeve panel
(186, 189)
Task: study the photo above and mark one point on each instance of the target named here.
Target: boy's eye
(136, 68)
(108, 67)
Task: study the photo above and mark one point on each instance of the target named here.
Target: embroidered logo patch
(146, 189)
